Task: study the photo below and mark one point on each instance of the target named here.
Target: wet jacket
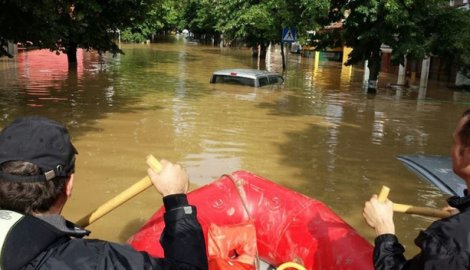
(444, 245)
(51, 243)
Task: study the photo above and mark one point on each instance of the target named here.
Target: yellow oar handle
(287, 265)
(410, 209)
(153, 163)
(122, 197)
(383, 195)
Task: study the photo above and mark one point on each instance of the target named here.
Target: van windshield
(263, 81)
(233, 80)
(275, 79)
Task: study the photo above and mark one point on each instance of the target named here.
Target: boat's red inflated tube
(290, 227)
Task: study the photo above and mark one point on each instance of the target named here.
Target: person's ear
(464, 162)
(466, 155)
(69, 186)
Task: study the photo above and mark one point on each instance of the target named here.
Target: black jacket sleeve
(435, 253)
(182, 241)
(444, 244)
(388, 253)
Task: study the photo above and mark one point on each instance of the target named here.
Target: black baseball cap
(41, 141)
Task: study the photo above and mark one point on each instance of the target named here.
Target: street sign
(289, 34)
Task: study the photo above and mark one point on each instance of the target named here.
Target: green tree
(162, 16)
(250, 23)
(200, 17)
(413, 29)
(367, 24)
(451, 38)
(64, 25)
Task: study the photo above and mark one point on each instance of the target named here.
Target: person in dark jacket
(37, 163)
(445, 244)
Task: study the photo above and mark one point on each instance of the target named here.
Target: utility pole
(11, 48)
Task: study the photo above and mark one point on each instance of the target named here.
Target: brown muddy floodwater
(318, 134)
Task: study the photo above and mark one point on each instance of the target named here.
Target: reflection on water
(319, 134)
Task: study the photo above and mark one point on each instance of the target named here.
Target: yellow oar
(410, 209)
(122, 197)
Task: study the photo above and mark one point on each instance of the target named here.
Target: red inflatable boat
(290, 227)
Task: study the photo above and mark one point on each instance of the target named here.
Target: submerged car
(436, 170)
(248, 77)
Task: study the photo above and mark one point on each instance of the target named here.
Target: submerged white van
(246, 76)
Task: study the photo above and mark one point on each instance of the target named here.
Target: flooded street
(319, 134)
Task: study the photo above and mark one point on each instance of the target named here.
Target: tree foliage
(64, 25)
(451, 38)
(161, 16)
(415, 29)
(412, 28)
(252, 22)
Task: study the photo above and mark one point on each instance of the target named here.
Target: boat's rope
(239, 184)
(241, 193)
(290, 265)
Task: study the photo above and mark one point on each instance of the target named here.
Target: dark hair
(28, 197)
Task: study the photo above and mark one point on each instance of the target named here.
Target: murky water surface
(318, 134)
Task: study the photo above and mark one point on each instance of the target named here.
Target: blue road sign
(289, 34)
